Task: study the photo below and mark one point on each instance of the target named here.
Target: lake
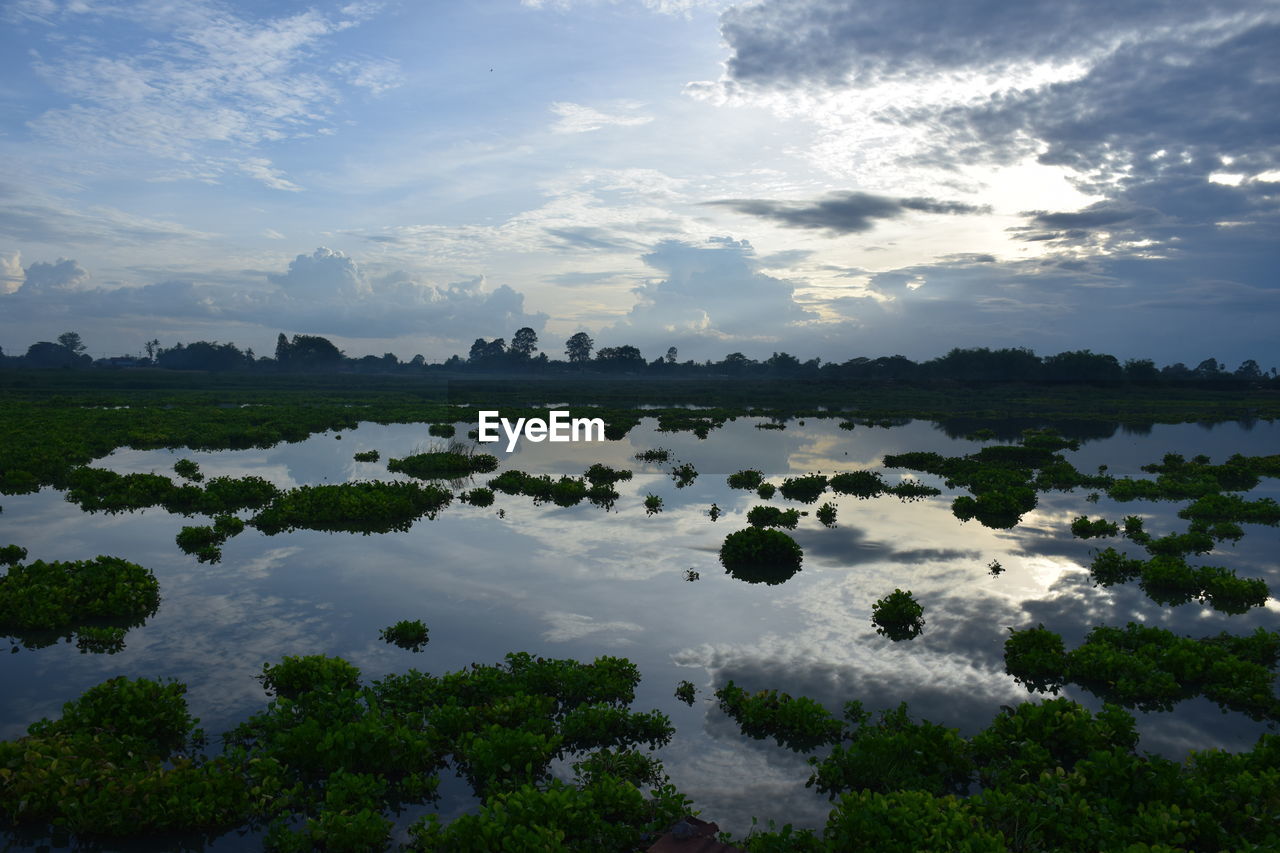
(579, 582)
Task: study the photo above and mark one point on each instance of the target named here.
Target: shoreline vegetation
(332, 755)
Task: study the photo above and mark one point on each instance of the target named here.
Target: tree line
(312, 353)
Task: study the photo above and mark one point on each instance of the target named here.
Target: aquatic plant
(361, 507)
(1083, 528)
(453, 461)
(61, 596)
(861, 484)
(995, 569)
(188, 470)
(766, 490)
(442, 430)
(408, 635)
(601, 474)
(655, 455)
(1152, 669)
(898, 616)
(760, 555)
(685, 692)
(692, 575)
(479, 496)
(827, 514)
(652, 504)
(684, 474)
(367, 456)
(749, 478)
(806, 489)
(771, 516)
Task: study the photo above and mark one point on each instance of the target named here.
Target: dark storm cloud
(842, 212)
(788, 42)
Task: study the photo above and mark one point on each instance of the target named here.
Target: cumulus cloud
(325, 292)
(11, 272)
(63, 275)
(843, 212)
(709, 292)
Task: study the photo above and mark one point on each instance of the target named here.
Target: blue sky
(826, 177)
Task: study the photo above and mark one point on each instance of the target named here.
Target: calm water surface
(581, 582)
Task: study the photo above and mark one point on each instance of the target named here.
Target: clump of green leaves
(600, 474)
(67, 596)
(367, 456)
(453, 462)
(749, 478)
(657, 454)
(766, 490)
(761, 555)
(479, 496)
(188, 469)
(772, 516)
(995, 569)
(805, 489)
(898, 616)
(684, 474)
(408, 635)
(652, 504)
(685, 692)
(827, 514)
(372, 507)
(1151, 668)
(442, 430)
(1083, 528)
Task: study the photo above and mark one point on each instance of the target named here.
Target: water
(580, 582)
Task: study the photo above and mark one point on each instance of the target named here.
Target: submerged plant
(187, 469)
(805, 489)
(765, 490)
(447, 462)
(827, 514)
(652, 504)
(771, 516)
(746, 479)
(367, 456)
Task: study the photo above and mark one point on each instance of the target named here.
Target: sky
(829, 178)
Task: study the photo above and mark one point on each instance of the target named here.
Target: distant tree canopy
(972, 366)
(202, 355)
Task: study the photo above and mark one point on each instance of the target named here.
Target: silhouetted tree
(313, 352)
(620, 358)
(672, 355)
(282, 348)
(71, 340)
(523, 343)
(578, 348)
(202, 355)
(47, 354)
(1141, 370)
(1249, 370)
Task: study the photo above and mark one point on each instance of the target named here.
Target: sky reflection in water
(580, 582)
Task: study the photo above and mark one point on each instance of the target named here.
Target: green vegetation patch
(761, 555)
(806, 489)
(59, 596)
(367, 456)
(746, 479)
(771, 516)
(1152, 669)
(374, 507)
(898, 616)
(410, 635)
(452, 464)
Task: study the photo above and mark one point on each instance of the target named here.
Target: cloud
(841, 42)
(11, 272)
(260, 169)
(324, 293)
(193, 81)
(843, 212)
(39, 220)
(324, 274)
(710, 292)
(63, 275)
(576, 118)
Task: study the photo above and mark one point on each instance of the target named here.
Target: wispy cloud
(576, 118)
